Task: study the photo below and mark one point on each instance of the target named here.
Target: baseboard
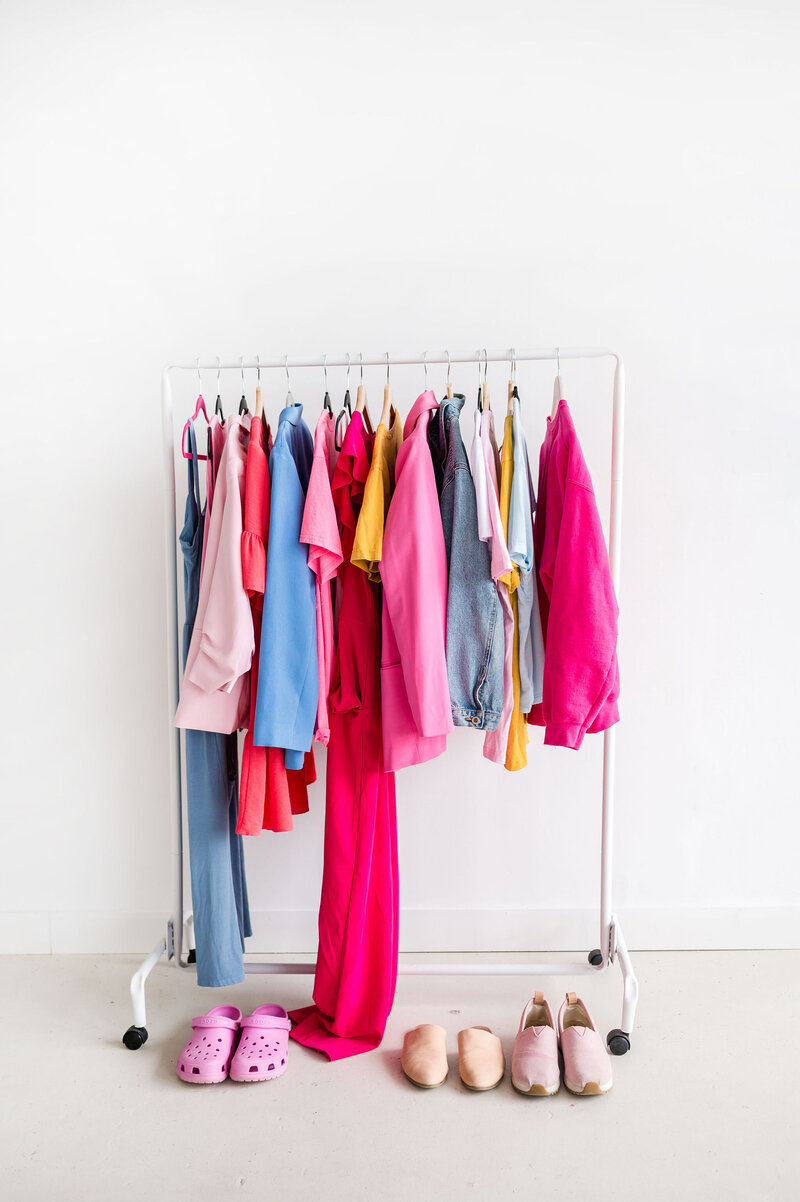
(294, 931)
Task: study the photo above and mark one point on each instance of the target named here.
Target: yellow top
(516, 755)
(368, 541)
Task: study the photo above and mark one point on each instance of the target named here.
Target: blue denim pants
(216, 854)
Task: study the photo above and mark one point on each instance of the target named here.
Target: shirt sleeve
(580, 663)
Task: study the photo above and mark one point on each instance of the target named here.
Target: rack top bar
(380, 359)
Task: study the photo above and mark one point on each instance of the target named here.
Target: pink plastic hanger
(199, 408)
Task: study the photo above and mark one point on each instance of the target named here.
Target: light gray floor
(705, 1106)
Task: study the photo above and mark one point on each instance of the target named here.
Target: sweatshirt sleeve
(580, 663)
(226, 643)
(414, 573)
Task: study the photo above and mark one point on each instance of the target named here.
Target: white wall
(182, 179)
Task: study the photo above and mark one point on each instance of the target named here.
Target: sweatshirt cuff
(563, 734)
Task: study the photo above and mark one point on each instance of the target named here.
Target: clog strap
(215, 1020)
(267, 1020)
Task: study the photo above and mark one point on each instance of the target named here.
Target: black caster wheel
(596, 957)
(618, 1042)
(192, 957)
(134, 1037)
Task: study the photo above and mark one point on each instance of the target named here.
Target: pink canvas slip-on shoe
(264, 1046)
(587, 1064)
(534, 1062)
(206, 1057)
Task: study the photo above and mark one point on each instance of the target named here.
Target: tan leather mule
(424, 1058)
(481, 1062)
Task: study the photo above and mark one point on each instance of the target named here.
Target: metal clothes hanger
(243, 402)
(327, 400)
(387, 395)
(259, 400)
(289, 398)
(218, 402)
(345, 411)
(449, 385)
(361, 394)
(558, 386)
(199, 408)
(512, 382)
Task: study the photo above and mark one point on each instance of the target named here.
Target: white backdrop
(204, 178)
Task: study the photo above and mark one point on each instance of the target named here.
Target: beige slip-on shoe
(481, 1062)
(424, 1058)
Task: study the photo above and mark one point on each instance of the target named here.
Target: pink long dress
(358, 916)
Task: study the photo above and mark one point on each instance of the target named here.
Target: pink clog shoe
(587, 1065)
(264, 1046)
(534, 1063)
(206, 1058)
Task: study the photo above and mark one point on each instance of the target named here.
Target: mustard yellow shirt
(516, 755)
(368, 541)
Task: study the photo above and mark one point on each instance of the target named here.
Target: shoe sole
(591, 1088)
(419, 1084)
(537, 1091)
(480, 1088)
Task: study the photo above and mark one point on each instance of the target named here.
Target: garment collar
(292, 414)
(423, 404)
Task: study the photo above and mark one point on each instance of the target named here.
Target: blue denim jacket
(475, 642)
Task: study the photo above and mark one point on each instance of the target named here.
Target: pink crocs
(206, 1058)
(264, 1045)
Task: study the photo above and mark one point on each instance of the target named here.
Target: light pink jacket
(576, 595)
(215, 693)
(415, 697)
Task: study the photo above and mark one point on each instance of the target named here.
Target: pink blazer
(576, 595)
(415, 697)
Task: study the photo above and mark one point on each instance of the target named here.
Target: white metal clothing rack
(612, 944)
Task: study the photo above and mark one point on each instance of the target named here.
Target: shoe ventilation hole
(253, 1068)
(283, 1061)
(196, 1071)
(270, 1067)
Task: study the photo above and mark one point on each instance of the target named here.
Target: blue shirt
(288, 679)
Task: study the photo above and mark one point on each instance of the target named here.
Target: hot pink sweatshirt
(576, 595)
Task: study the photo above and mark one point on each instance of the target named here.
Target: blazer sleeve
(580, 662)
(414, 574)
(226, 643)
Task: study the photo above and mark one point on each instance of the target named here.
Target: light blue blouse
(288, 679)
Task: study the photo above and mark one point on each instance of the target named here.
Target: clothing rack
(611, 943)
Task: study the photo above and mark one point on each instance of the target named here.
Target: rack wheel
(134, 1037)
(596, 957)
(192, 957)
(618, 1042)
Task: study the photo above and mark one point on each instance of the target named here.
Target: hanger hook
(425, 365)
(361, 361)
(258, 366)
(448, 368)
(558, 361)
(513, 365)
(325, 369)
(347, 385)
(241, 369)
(485, 364)
(219, 369)
(387, 367)
(199, 377)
